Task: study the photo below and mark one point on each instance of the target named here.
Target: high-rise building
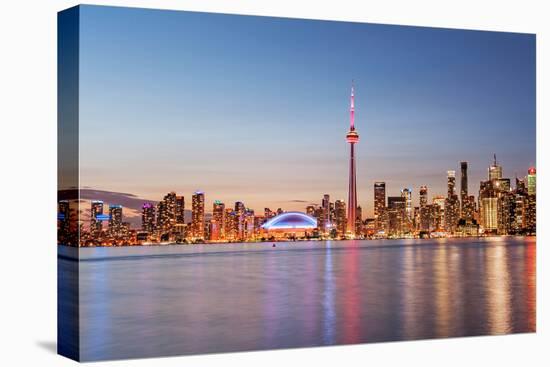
(148, 217)
(340, 217)
(407, 194)
(217, 231)
(466, 206)
(325, 222)
(530, 217)
(96, 224)
(240, 217)
(230, 224)
(463, 182)
(451, 183)
(64, 220)
(452, 213)
(180, 210)
(197, 215)
(396, 215)
(166, 213)
(495, 171)
(115, 220)
(359, 221)
(379, 202)
(425, 211)
(532, 181)
(439, 212)
(488, 206)
(249, 228)
(423, 196)
(352, 138)
(506, 212)
(452, 204)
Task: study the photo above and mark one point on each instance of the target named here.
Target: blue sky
(256, 108)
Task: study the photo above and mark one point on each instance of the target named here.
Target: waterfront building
(180, 210)
(452, 204)
(230, 224)
(359, 221)
(396, 216)
(340, 217)
(425, 211)
(148, 218)
(218, 221)
(240, 217)
(197, 216)
(325, 219)
(379, 203)
(407, 194)
(115, 220)
(96, 224)
(249, 229)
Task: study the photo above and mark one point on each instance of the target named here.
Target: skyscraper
(423, 195)
(180, 210)
(396, 215)
(451, 183)
(324, 223)
(379, 198)
(379, 205)
(340, 217)
(240, 217)
(532, 181)
(452, 204)
(352, 138)
(407, 194)
(464, 200)
(197, 215)
(495, 171)
(115, 220)
(359, 221)
(96, 225)
(148, 217)
(425, 212)
(218, 221)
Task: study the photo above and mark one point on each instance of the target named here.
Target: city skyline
(272, 132)
(466, 208)
(133, 204)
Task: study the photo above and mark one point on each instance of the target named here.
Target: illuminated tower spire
(352, 137)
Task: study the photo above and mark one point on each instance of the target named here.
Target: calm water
(151, 301)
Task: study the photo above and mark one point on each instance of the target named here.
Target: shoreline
(274, 242)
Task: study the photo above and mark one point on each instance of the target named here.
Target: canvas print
(234, 183)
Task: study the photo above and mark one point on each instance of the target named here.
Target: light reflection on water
(151, 301)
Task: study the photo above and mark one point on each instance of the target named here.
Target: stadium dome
(291, 220)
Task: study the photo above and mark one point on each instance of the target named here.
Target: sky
(256, 109)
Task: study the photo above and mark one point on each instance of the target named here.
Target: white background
(28, 182)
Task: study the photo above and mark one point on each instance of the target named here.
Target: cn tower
(352, 137)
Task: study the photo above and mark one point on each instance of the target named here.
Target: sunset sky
(256, 109)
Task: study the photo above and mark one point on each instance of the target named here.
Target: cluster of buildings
(165, 222)
(498, 210)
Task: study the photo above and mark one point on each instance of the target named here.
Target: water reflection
(329, 314)
(498, 288)
(172, 300)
